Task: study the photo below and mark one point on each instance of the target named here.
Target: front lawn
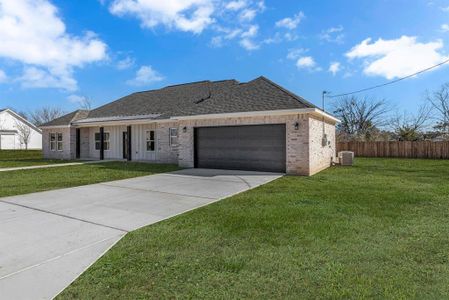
(37, 180)
(377, 230)
(24, 158)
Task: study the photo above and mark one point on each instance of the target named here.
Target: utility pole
(323, 98)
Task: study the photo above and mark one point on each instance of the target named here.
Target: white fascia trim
(55, 127)
(313, 111)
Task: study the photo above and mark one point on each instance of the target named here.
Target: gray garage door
(254, 148)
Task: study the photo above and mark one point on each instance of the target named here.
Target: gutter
(313, 111)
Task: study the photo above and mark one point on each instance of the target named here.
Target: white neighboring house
(17, 133)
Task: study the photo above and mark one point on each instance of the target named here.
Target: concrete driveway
(48, 239)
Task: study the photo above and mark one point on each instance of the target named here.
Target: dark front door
(252, 147)
(125, 145)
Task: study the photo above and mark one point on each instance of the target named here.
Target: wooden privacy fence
(421, 149)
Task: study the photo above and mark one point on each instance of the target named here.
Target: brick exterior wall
(321, 157)
(305, 155)
(68, 143)
(297, 140)
(166, 153)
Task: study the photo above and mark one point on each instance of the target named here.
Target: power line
(390, 82)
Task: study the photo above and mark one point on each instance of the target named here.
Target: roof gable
(67, 119)
(20, 118)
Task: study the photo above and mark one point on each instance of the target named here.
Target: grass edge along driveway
(37, 180)
(376, 230)
(26, 158)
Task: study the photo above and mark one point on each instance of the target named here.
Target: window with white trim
(151, 141)
(173, 136)
(52, 141)
(106, 142)
(59, 142)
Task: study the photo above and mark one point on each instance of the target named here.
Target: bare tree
(24, 133)
(85, 103)
(439, 101)
(410, 127)
(361, 117)
(45, 114)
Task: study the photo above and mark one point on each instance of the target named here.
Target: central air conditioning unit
(346, 158)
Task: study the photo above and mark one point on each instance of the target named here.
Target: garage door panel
(7, 142)
(253, 147)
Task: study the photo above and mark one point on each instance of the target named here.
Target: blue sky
(55, 52)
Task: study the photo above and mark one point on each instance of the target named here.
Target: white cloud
(446, 8)
(251, 32)
(249, 44)
(236, 5)
(333, 35)
(31, 32)
(397, 58)
(125, 63)
(246, 37)
(216, 41)
(291, 23)
(445, 27)
(233, 33)
(334, 67)
(145, 75)
(248, 15)
(294, 54)
(3, 76)
(237, 23)
(306, 62)
(290, 37)
(34, 77)
(185, 15)
(76, 99)
(276, 39)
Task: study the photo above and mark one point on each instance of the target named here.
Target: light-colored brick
(305, 155)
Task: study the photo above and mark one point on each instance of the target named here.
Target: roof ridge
(299, 98)
(187, 83)
(223, 80)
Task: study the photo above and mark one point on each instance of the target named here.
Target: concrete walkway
(53, 165)
(48, 239)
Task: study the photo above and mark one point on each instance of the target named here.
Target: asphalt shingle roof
(68, 118)
(197, 98)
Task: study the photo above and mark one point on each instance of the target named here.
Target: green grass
(24, 158)
(37, 180)
(377, 230)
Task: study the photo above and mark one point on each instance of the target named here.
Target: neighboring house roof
(67, 119)
(20, 118)
(196, 98)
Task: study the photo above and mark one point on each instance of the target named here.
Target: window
(52, 141)
(173, 136)
(150, 140)
(98, 141)
(59, 141)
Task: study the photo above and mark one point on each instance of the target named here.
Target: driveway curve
(48, 239)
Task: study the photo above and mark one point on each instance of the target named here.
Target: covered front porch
(138, 142)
